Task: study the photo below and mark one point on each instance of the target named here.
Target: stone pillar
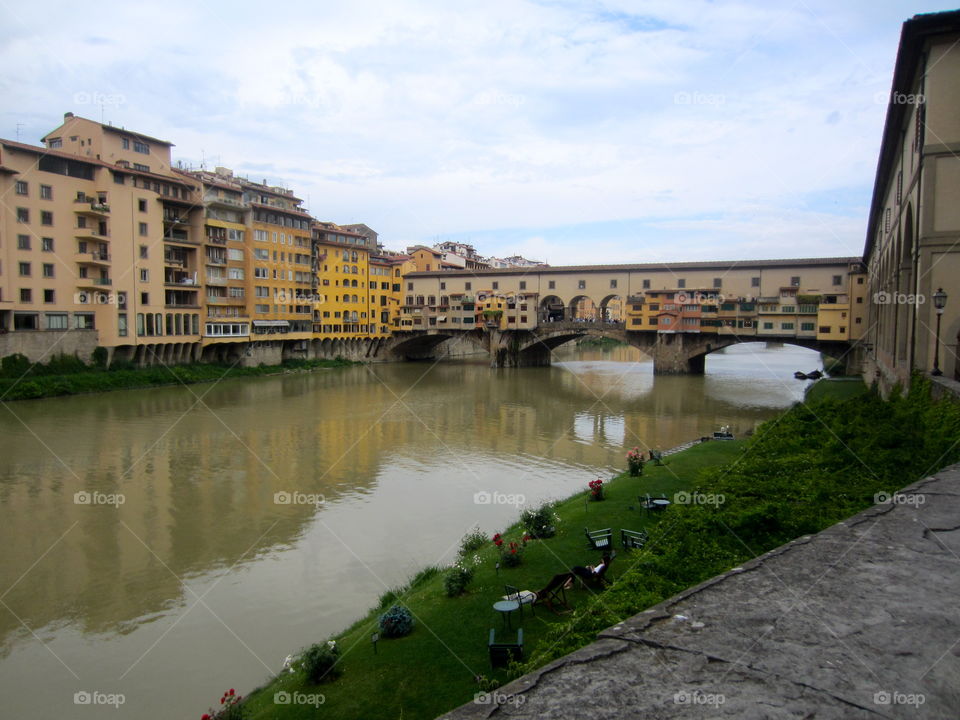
(675, 354)
(507, 350)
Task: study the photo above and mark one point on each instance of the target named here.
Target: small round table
(659, 503)
(505, 607)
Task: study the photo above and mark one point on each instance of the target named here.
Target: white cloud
(507, 120)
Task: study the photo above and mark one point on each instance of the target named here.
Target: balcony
(172, 217)
(216, 260)
(224, 300)
(226, 202)
(92, 258)
(215, 280)
(177, 281)
(181, 239)
(91, 207)
(94, 283)
(89, 233)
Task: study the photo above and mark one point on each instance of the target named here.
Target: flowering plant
(230, 708)
(596, 489)
(635, 461)
(511, 554)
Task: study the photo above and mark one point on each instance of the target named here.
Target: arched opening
(582, 309)
(552, 309)
(611, 309)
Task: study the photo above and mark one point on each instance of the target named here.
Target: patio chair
(633, 539)
(600, 539)
(502, 653)
(590, 579)
(524, 597)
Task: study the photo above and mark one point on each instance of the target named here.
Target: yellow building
(343, 308)
(281, 285)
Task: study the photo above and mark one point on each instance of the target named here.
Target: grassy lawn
(835, 388)
(434, 668)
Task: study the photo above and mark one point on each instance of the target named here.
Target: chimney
(67, 115)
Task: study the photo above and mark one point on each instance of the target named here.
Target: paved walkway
(859, 621)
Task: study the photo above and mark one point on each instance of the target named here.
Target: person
(591, 571)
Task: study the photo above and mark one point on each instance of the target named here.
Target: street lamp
(939, 302)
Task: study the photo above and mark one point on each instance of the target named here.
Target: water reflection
(110, 594)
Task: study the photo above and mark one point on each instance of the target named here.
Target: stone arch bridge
(672, 353)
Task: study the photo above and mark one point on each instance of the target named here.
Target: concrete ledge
(861, 620)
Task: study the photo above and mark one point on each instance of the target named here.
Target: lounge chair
(555, 592)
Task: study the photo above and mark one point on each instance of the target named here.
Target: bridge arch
(582, 307)
(552, 309)
(424, 345)
(611, 308)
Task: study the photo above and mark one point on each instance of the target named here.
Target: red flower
(231, 691)
(205, 716)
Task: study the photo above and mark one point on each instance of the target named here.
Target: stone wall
(41, 345)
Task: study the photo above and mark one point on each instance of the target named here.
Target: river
(170, 543)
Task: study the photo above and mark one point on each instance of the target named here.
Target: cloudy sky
(575, 132)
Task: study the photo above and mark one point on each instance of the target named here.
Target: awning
(442, 318)
(271, 323)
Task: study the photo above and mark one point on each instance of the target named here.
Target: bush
(396, 622)
(421, 577)
(389, 597)
(539, 522)
(320, 662)
(99, 356)
(472, 541)
(13, 366)
(456, 580)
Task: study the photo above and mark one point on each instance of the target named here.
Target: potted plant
(596, 489)
(635, 462)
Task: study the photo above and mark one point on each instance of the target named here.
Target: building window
(122, 324)
(125, 143)
(718, 282)
(496, 285)
(144, 252)
(46, 192)
(681, 282)
(808, 327)
(859, 281)
(837, 279)
(443, 286)
(144, 298)
(468, 286)
(23, 242)
(144, 275)
(48, 270)
(49, 297)
(824, 329)
(56, 321)
(410, 286)
(23, 215)
(795, 281)
(142, 205)
(46, 217)
(24, 269)
(141, 147)
(146, 168)
(523, 284)
(144, 229)
(613, 284)
(46, 244)
(755, 282)
(768, 326)
(646, 284)
(26, 295)
(786, 326)
(581, 284)
(21, 187)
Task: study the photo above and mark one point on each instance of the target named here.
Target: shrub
(472, 541)
(456, 580)
(13, 366)
(64, 364)
(99, 356)
(320, 662)
(389, 597)
(396, 622)
(539, 522)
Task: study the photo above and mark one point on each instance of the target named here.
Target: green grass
(835, 389)
(40, 382)
(433, 669)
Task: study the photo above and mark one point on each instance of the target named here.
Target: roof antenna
(19, 125)
(203, 160)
